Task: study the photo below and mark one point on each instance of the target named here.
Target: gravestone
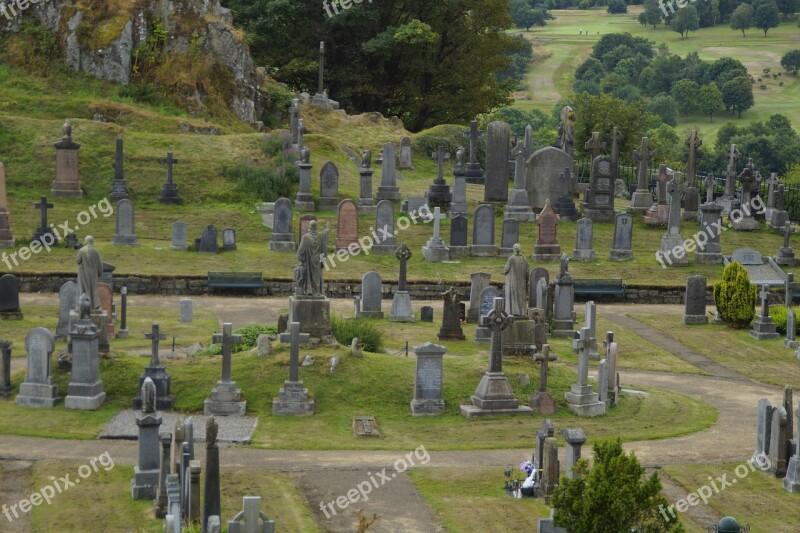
(623, 237)
(401, 302)
(451, 316)
(366, 206)
(303, 201)
(598, 204)
(763, 430)
(541, 401)
(779, 444)
(792, 480)
(185, 310)
(549, 466)
(710, 252)
(564, 205)
(509, 236)
(107, 304)
(583, 241)
(745, 221)
(384, 233)
(178, 236)
(44, 233)
(763, 326)
(229, 240)
(496, 176)
(9, 298)
(67, 183)
(695, 310)
(581, 398)
(474, 172)
(5, 369)
(542, 291)
(428, 380)
(38, 389)
(6, 238)
(145, 482)
(347, 225)
(426, 313)
(85, 391)
(543, 176)
(169, 192)
(575, 439)
(486, 299)
(208, 242)
(282, 239)
(435, 250)
(328, 187)
(125, 234)
(156, 372)
(590, 322)
(518, 206)
(483, 232)
(547, 248)
(119, 189)
(439, 194)
(405, 154)
(458, 237)
(564, 299)
(388, 189)
(211, 487)
(371, 295)
(658, 213)
(785, 255)
(480, 280)
(534, 276)
(304, 223)
(250, 519)
(225, 399)
(791, 330)
(459, 203)
(642, 198)
(293, 398)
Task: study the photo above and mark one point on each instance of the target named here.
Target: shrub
(735, 297)
(346, 330)
(779, 314)
(249, 335)
(617, 6)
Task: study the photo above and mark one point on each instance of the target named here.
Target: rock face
(105, 45)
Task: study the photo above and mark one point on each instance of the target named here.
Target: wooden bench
(613, 287)
(235, 280)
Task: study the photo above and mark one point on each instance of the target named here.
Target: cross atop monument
(295, 339)
(544, 358)
(403, 253)
(643, 155)
(437, 217)
(566, 179)
(764, 294)
(43, 206)
(440, 164)
(772, 182)
(787, 231)
(675, 188)
(227, 339)
(580, 343)
(595, 144)
(497, 320)
(747, 178)
(693, 142)
(156, 336)
(788, 289)
(473, 134)
(169, 161)
(616, 141)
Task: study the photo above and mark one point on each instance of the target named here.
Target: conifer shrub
(735, 297)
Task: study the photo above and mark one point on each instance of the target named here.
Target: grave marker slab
(38, 389)
(428, 380)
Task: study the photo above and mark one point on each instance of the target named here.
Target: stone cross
(675, 188)
(437, 217)
(616, 141)
(693, 142)
(747, 178)
(661, 188)
(773, 182)
(440, 164)
(709, 185)
(528, 146)
(788, 287)
(595, 144)
(473, 135)
(295, 338)
(123, 292)
(497, 320)
(764, 294)
(643, 156)
(155, 336)
(227, 339)
(294, 115)
(43, 206)
(732, 154)
(787, 231)
(543, 370)
(580, 343)
(320, 84)
(169, 161)
(566, 179)
(403, 254)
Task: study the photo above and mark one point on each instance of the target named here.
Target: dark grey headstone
(426, 313)
(67, 300)
(282, 216)
(487, 300)
(428, 380)
(125, 234)
(458, 230)
(384, 225)
(583, 240)
(496, 175)
(483, 227)
(9, 294)
(208, 240)
(371, 295)
(695, 311)
(510, 233)
(329, 180)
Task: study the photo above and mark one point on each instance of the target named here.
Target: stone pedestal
(764, 328)
(640, 202)
(428, 380)
(67, 183)
(85, 391)
(745, 224)
(225, 400)
(518, 338)
(38, 394)
(548, 253)
(162, 381)
(435, 250)
(691, 203)
(401, 308)
(657, 215)
(169, 195)
(792, 480)
(313, 314)
(293, 400)
(144, 484)
(584, 401)
(542, 402)
(670, 243)
(474, 174)
(494, 396)
(785, 257)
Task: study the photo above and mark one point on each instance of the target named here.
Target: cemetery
(313, 319)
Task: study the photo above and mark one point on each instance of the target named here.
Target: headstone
(401, 303)
(509, 236)
(459, 229)
(293, 398)
(575, 439)
(303, 201)
(598, 204)
(695, 310)
(547, 248)
(550, 466)
(727, 199)
(251, 519)
(208, 240)
(169, 192)
(228, 239)
(328, 187)
(612, 349)
(791, 330)
(144, 484)
(67, 183)
(439, 194)
(590, 322)
(347, 226)
(642, 198)
(125, 234)
(435, 249)
(535, 275)
(564, 205)
(541, 295)
(211, 487)
(179, 236)
(226, 399)
(160, 504)
(428, 380)
(85, 391)
(543, 176)
(282, 239)
(792, 480)
(426, 313)
(763, 430)
(366, 205)
(156, 372)
(745, 221)
(623, 237)
(658, 214)
(371, 295)
(459, 203)
(709, 252)
(405, 154)
(779, 444)
(9, 298)
(263, 345)
(486, 299)
(763, 326)
(474, 172)
(785, 255)
(38, 389)
(483, 232)
(384, 232)
(691, 196)
(388, 189)
(673, 251)
(44, 233)
(451, 316)
(564, 299)
(583, 241)
(480, 280)
(518, 206)
(616, 141)
(185, 308)
(6, 238)
(5, 369)
(107, 305)
(581, 398)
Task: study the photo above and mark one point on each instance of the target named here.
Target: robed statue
(310, 256)
(90, 268)
(516, 286)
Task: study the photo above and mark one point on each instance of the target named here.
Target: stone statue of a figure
(90, 268)
(516, 291)
(310, 255)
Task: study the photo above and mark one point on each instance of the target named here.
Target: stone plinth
(225, 400)
(313, 314)
(85, 390)
(144, 484)
(401, 308)
(763, 328)
(293, 400)
(584, 401)
(493, 397)
(162, 380)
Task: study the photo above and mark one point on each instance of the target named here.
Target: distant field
(559, 50)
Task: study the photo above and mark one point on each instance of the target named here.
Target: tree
(614, 496)
(603, 112)
(742, 18)
(708, 12)
(737, 95)
(541, 16)
(684, 93)
(651, 15)
(791, 61)
(617, 6)
(522, 13)
(788, 7)
(735, 296)
(663, 106)
(710, 100)
(684, 21)
(765, 15)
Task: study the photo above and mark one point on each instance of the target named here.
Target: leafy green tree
(522, 13)
(737, 95)
(609, 41)
(725, 69)
(541, 16)
(685, 94)
(766, 15)
(791, 61)
(590, 70)
(663, 106)
(788, 7)
(684, 21)
(651, 15)
(617, 7)
(742, 18)
(603, 112)
(710, 100)
(613, 496)
(735, 297)
(611, 82)
(708, 13)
